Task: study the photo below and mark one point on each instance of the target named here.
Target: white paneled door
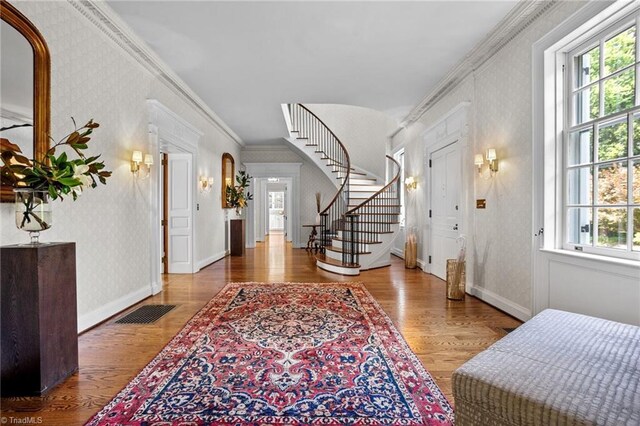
(180, 214)
(445, 201)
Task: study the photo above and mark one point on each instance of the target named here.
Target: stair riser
(359, 196)
(337, 269)
(369, 188)
(363, 247)
(356, 181)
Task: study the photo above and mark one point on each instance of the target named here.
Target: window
(602, 143)
(399, 157)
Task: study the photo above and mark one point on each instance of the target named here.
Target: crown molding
(518, 19)
(111, 25)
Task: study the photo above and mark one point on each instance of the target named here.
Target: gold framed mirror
(25, 72)
(228, 175)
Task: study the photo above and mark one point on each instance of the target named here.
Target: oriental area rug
(283, 354)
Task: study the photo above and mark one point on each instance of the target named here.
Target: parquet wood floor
(444, 334)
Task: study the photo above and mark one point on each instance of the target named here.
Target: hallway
(443, 334)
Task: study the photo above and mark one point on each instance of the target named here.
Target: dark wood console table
(237, 237)
(39, 329)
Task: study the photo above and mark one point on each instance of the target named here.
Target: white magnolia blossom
(79, 173)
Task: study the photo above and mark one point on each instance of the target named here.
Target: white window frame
(564, 117)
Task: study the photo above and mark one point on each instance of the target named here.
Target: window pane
(580, 147)
(636, 134)
(612, 140)
(620, 51)
(587, 104)
(619, 92)
(636, 229)
(587, 67)
(580, 226)
(635, 196)
(612, 227)
(580, 185)
(612, 183)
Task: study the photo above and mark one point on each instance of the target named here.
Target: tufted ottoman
(558, 368)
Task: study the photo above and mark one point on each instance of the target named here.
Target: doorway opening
(277, 216)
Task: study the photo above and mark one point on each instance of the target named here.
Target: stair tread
(339, 250)
(368, 232)
(377, 213)
(360, 242)
(329, 261)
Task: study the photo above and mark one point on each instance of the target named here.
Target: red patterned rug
(294, 353)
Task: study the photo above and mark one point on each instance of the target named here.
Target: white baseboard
(422, 265)
(397, 252)
(156, 287)
(102, 313)
(501, 303)
(209, 260)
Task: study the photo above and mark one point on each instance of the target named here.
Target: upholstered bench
(558, 368)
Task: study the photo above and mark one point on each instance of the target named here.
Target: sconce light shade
(137, 157)
(478, 160)
(148, 159)
(492, 157)
(410, 183)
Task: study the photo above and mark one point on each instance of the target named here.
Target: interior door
(180, 214)
(445, 199)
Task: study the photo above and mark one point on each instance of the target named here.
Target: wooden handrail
(346, 154)
(387, 186)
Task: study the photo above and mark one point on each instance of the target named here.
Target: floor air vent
(146, 314)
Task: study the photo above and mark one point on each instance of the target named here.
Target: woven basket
(455, 280)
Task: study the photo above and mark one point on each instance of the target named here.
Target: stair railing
(373, 216)
(311, 128)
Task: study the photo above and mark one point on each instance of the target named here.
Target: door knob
(455, 227)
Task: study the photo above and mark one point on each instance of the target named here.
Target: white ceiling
(244, 59)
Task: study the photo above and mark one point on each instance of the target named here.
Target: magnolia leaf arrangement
(59, 175)
(236, 196)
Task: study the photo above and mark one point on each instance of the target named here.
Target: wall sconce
(136, 159)
(410, 183)
(492, 159)
(206, 183)
(479, 161)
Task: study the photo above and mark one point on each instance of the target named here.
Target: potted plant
(36, 183)
(237, 195)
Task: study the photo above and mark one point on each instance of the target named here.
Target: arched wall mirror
(25, 86)
(228, 173)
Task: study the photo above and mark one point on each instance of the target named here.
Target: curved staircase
(359, 224)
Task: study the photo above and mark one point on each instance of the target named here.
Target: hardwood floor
(444, 334)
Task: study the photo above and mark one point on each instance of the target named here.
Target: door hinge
(429, 212)
(164, 259)
(163, 222)
(429, 260)
(429, 162)
(164, 162)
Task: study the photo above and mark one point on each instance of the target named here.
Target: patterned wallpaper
(93, 78)
(499, 245)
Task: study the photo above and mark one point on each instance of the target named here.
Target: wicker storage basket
(410, 255)
(455, 279)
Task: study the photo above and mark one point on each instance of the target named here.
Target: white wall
(363, 131)
(92, 77)
(500, 96)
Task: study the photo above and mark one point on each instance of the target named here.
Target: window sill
(594, 257)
